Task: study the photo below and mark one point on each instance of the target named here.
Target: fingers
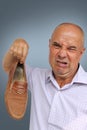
(19, 49)
(24, 54)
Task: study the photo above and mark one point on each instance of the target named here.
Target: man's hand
(19, 49)
(17, 52)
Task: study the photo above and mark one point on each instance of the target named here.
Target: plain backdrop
(34, 20)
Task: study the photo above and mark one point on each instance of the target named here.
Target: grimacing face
(65, 50)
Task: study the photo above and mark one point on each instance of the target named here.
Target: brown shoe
(16, 94)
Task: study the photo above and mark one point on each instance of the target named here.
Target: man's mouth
(62, 63)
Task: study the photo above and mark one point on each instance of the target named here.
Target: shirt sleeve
(28, 76)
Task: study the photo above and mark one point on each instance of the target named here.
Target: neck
(62, 81)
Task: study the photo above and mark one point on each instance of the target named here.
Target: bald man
(58, 95)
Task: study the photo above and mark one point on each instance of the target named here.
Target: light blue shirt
(55, 108)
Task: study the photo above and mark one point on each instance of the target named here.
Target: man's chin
(62, 74)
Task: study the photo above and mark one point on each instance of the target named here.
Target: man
(58, 96)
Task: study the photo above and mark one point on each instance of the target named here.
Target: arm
(17, 51)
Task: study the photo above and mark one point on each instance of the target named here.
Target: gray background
(34, 20)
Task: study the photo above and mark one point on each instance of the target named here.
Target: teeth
(62, 62)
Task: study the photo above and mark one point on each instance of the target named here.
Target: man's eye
(72, 49)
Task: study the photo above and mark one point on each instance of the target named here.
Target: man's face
(66, 49)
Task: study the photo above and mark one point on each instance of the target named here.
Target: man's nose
(62, 53)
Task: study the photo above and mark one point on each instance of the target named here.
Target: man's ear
(83, 50)
(49, 41)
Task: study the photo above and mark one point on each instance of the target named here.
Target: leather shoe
(16, 94)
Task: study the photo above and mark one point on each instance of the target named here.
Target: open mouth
(62, 63)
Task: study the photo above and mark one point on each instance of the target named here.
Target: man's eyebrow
(56, 43)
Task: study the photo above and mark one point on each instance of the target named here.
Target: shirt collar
(49, 76)
(81, 76)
